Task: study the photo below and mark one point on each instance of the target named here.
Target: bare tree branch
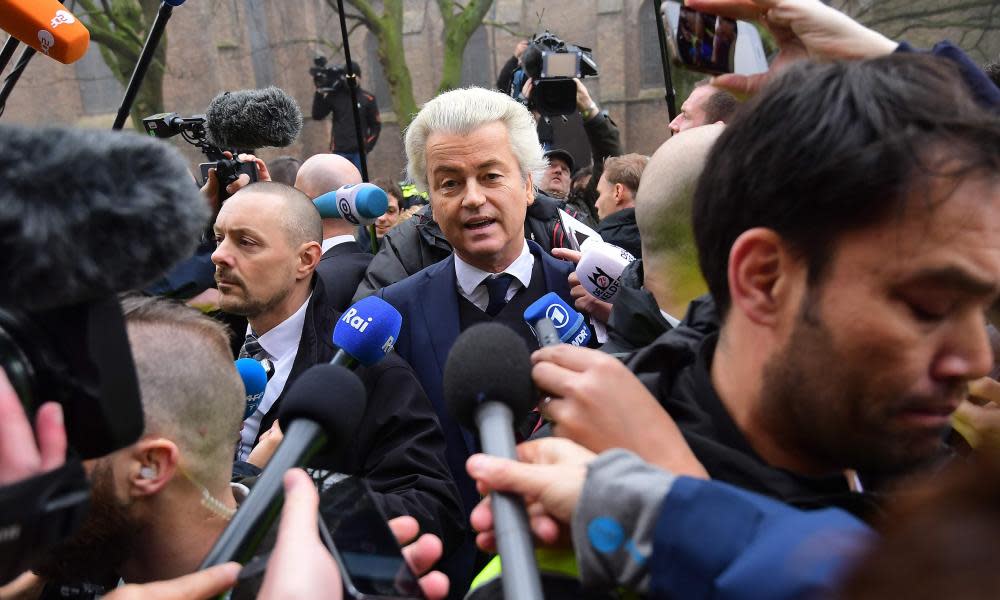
(505, 27)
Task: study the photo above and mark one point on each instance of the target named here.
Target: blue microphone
(366, 332)
(254, 381)
(569, 324)
(359, 203)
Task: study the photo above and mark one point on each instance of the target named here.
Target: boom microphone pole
(668, 81)
(352, 85)
(8, 51)
(14, 76)
(145, 58)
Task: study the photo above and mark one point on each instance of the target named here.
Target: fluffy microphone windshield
(86, 213)
(488, 363)
(251, 119)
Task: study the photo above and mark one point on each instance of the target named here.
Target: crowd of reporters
(821, 423)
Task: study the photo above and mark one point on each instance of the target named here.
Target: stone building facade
(236, 44)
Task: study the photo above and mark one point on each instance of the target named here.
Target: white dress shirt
(281, 345)
(337, 240)
(470, 278)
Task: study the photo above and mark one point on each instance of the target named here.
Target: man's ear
(529, 189)
(309, 255)
(152, 465)
(762, 276)
(619, 194)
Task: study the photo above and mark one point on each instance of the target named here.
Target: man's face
(105, 539)
(882, 348)
(388, 220)
(478, 195)
(693, 110)
(255, 265)
(606, 202)
(556, 180)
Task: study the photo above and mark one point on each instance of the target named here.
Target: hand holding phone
(803, 28)
(703, 42)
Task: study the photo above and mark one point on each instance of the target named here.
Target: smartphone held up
(707, 43)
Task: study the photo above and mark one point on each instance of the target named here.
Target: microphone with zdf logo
(359, 203)
(366, 332)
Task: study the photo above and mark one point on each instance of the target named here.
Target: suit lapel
(439, 292)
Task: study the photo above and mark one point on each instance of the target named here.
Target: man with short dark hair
(705, 105)
(268, 237)
(849, 233)
(615, 205)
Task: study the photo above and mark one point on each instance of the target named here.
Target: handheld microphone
(254, 378)
(46, 26)
(359, 203)
(366, 332)
(251, 119)
(570, 325)
(311, 417)
(600, 269)
(487, 387)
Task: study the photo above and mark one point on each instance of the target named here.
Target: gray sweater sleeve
(615, 518)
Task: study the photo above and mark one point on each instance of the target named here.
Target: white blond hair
(462, 111)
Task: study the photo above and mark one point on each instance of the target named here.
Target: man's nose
(474, 196)
(967, 353)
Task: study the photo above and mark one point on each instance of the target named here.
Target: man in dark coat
(616, 199)
(477, 168)
(834, 370)
(268, 236)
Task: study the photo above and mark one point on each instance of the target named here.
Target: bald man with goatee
(343, 264)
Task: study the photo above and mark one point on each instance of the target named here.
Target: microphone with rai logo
(359, 203)
(570, 326)
(600, 269)
(254, 377)
(366, 332)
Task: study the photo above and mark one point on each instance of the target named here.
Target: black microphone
(251, 119)
(487, 386)
(88, 213)
(311, 417)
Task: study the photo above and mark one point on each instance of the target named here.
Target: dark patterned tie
(252, 348)
(497, 288)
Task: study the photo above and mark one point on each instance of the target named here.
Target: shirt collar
(283, 339)
(337, 240)
(469, 277)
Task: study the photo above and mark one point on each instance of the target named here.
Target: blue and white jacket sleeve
(642, 528)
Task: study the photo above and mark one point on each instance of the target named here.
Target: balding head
(322, 173)
(294, 211)
(663, 214)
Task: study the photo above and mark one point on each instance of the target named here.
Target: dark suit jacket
(341, 269)
(428, 301)
(398, 448)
